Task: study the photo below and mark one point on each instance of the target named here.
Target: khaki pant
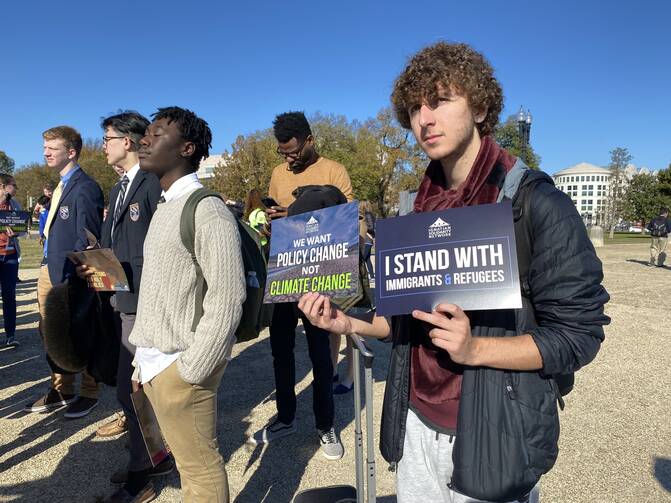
(658, 250)
(64, 383)
(187, 415)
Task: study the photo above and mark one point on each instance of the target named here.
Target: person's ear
(480, 115)
(188, 149)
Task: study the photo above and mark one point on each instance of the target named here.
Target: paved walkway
(616, 432)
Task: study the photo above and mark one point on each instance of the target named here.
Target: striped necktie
(53, 208)
(119, 201)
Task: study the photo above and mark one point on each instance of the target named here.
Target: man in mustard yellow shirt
(303, 166)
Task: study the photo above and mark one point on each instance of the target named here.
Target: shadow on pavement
(663, 473)
(282, 464)
(647, 263)
(247, 385)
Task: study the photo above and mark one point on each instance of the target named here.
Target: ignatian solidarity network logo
(440, 229)
(312, 225)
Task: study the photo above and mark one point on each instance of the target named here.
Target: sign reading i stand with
(464, 256)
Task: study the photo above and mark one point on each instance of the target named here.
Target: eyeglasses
(108, 138)
(296, 153)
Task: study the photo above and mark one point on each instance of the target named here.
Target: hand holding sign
(452, 332)
(276, 212)
(318, 310)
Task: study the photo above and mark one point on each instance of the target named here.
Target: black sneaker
(163, 468)
(51, 401)
(81, 407)
(12, 342)
(276, 429)
(146, 494)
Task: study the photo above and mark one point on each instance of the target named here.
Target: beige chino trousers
(187, 415)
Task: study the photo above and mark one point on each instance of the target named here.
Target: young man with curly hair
(470, 409)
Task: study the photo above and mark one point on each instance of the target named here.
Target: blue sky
(595, 75)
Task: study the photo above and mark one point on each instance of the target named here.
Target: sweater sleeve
(217, 248)
(342, 181)
(565, 278)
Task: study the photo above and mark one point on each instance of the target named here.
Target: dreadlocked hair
(193, 129)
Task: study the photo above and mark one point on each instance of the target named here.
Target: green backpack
(255, 314)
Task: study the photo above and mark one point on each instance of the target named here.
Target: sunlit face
(445, 126)
(57, 155)
(162, 147)
(9, 188)
(115, 146)
(295, 152)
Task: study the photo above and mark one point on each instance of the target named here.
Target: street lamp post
(524, 125)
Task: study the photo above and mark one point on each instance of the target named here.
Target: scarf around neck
(435, 383)
(433, 194)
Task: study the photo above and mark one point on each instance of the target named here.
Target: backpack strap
(187, 232)
(562, 383)
(523, 236)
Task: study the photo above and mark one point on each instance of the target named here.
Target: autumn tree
(379, 156)
(248, 165)
(619, 159)
(6, 163)
(642, 198)
(508, 136)
(32, 178)
(94, 161)
(664, 180)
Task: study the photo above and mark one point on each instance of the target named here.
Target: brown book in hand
(151, 431)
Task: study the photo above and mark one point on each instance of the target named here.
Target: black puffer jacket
(508, 425)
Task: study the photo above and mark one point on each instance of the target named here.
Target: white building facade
(208, 165)
(588, 186)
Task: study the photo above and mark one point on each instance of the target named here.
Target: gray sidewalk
(615, 443)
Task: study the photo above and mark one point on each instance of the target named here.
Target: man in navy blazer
(77, 204)
(132, 203)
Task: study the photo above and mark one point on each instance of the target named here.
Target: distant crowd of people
(470, 407)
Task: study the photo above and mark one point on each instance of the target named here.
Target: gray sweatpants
(426, 467)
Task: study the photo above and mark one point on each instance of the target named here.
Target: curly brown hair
(453, 66)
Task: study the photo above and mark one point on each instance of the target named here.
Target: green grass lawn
(626, 238)
(31, 253)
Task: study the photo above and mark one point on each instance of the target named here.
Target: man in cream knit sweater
(180, 370)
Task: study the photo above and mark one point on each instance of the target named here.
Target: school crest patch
(64, 212)
(134, 210)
